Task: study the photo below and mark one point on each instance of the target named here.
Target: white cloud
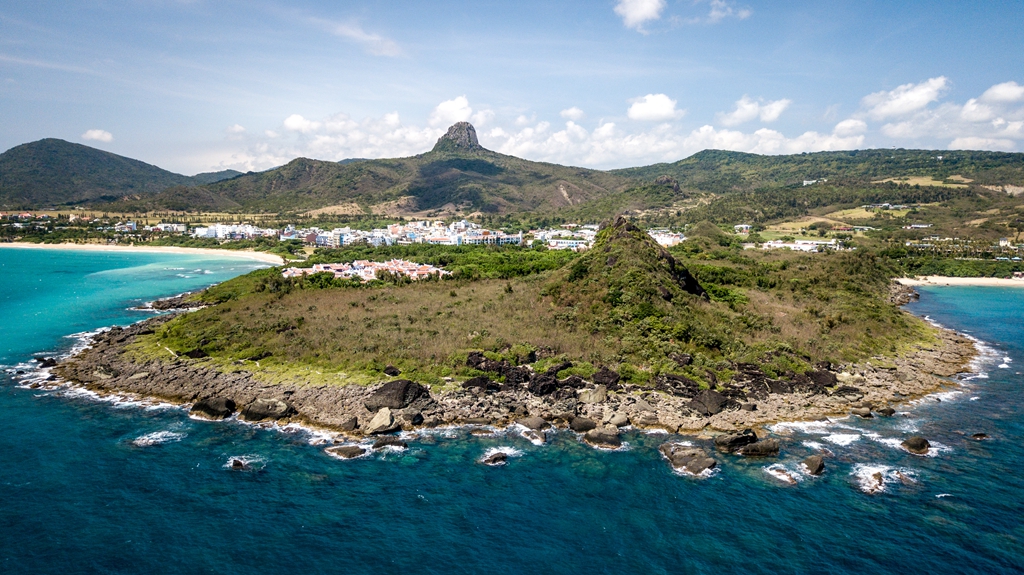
(1004, 93)
(236, 129)
(373, 43)
(635, 13)
(850, 127)
(482, 118)
(973, 111)
(573, 113)
(297, 123)
(98, 135)
(654, 108)
(748, 109)
(975, 143)
(720, 10)
(905, 99)
(450, 111)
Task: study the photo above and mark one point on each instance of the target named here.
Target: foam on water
(875, 478)
(158, 438)
(784, 474)
(842, 439)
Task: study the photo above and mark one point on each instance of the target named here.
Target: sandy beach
(260, 256)
(951, 281)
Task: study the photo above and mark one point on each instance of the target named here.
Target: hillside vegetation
(627, 303)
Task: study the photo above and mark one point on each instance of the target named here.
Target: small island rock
(346, 451)
(916, 445)
(815, 464)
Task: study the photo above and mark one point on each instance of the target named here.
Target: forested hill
(720, 171)
(54, 172)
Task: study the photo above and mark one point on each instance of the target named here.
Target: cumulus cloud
(905, 99)
(373, 43)
(975, 143)
(236, 129)
(1004, 93)
(450, 111)
(98, 136)
(635, 13)
(850, 127)
(654, 108)
(297, 123)
(720, 10)
(573, 113)
(748, 109)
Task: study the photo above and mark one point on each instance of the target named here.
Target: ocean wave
(874, 478)
(246, 462)
(808, 427)
(783, 473)
(842, 439)
(158, 438)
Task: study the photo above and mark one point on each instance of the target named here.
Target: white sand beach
(951, 281)
(261, 256)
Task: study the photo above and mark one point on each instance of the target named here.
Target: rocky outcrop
(346, 451)
(534, 423)
(605, 377)
(709, 402)
(383, 422)
(606, 437)
(390, 441)
(213, 408)
(582, 424)
(687, 458)
(731, 442)
(461, 136)
(597, 395)
(495, 459)
(397, 394)
(916, 445)
(762, 448)
(268, 408)
(815, 464)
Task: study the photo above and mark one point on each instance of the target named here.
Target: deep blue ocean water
(79, 494)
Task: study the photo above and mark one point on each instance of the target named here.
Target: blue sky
(198, 85)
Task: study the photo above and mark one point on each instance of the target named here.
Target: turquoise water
(78, 495)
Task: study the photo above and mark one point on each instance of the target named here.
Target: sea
(114, 485)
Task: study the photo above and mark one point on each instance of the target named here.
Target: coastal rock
(346, 451)
(582, 424)
(382, 422)
(763, 448)
(477, 421)
(392, 371)
(396, 394)
(479, 382)
(349, 424)
(606, 377)
(618, 420)
(534, 423)
(687, 458)
(606, 437)
(731, 442)
(516, 377)
(543, 384)
(708, 402)
(862, 412)
(534, 436)
(554, 369)
(213, 408)
(886, 412)
(494, 459)
(979, 436)
(815, 464)
(390, 441)
(267, 408)
(239, 464)
(46, 361)
(916, 445)
(597, 395)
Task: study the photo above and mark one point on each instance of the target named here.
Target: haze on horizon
(202, 85)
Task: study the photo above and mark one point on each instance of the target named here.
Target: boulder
(606, 377)
(979, 436)
(596, 395)
(822, 378)
(396, 394)
(582, 424)
(239, 464)
(748, 407)
(389, 441)
(475, 359)
(708, 403)
(886, 412)
(618, 420)
(477, 421)
(554, 369)
(392, 371)
(681, 359)
(815, 464)
(46, 361)
(479, 382)
(684, 457)
(534, 423)
(213, 408)
(410, 417)
(916, 445)
(383, 422)
(496, 458)
(731, 442)
(763, 448)
(346, 451)
(267, 408)
(606, 437)
(349, 424)
(516, 377)
(534, 436)
(863, 412)
(543, 384)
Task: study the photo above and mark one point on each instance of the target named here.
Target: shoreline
(956, 281)
(241, 254)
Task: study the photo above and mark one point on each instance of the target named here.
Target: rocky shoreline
(739, 409)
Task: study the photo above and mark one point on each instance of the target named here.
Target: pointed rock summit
(460, 137)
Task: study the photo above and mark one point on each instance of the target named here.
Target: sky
(204, 85)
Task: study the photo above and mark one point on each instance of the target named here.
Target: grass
(925, 181)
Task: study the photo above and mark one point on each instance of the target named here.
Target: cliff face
(460, 137)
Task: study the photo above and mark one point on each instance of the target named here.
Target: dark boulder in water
(862, 412)
(213, 408)
(886, 411)
(731, 442)
(495, 459)
(389, 441)
(239, 464)
(606, 437)
(397, 394)
(979, 436)
(268, 408)
(684, 457)
(815, 464)
(763, 448)
(46, 361)
(916, 445)
(346, 451)
(534, 423)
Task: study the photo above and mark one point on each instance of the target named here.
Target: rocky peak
(461, 136)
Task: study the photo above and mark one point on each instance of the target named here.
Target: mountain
(54, 172)
(458, 176)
